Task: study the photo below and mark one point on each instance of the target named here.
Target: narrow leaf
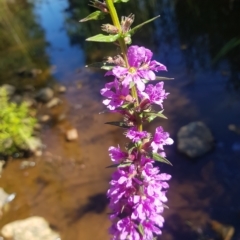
(101, 65)
(103, 38)
(163, 78)
(229, 46)
(141, 229)
(159, 158)
(155, 114)
(165, 206)
(133, 30)
(125, 164)
(118, 1)
(113, 166)
(93, 16)
(118, 124)
(151, 118)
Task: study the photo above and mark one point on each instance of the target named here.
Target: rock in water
(62, 89)
(53, 102)
(9, 89)
(3, 198)
(33, 228)
(72, 134)
(45, 94)
(195, 139)
(225, 232)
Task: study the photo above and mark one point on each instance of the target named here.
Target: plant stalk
(123, 46)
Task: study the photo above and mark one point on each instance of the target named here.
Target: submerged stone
(45, 94)
(34, 228)
(53, 102)
(9, 89)
(195, 139)
(72, 134)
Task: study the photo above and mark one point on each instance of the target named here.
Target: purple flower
(136, 199)
(135, 135)
(140, 68)
(155, 94)
(116, 94)
(125, 229)
(160, 139)
(116, 154)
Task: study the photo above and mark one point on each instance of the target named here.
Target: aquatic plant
(137, 190)
(16, 126)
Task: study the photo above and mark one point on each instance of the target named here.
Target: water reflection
(68, 182)
(22, 44)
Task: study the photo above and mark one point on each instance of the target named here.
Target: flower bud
(111, 29)
(99, 5)
(126, 23)
(145, 104)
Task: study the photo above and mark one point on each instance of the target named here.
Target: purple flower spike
(136, 199)
(135, 135)
(140, 68)
(116, 97)
(155, 94)
(160, 139)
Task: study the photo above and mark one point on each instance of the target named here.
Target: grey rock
(17, 99)
(45, 94)
(195, 139)
(53, 103)
(34, 228)
(72, 134)
(9, 89)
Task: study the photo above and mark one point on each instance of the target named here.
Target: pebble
(53, 103)
(44, 118)
(71, 134)
(62, 89)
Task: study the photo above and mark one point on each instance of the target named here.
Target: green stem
(123, 46)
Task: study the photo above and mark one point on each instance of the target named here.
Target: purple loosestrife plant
(137, 191)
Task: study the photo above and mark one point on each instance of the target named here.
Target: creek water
(67, 186)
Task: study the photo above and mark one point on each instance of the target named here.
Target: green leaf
(103, 38)
(118, 1)
(120, 165)
(229, 46)
(159, 158)
(125, 105)
(125, 164)
(133, 30)
(131, 84)
(163, 78)
(151, 118)
(155, 114)
(101, 65)
(113, 166)
(98, 15)
(141, 229)
(118, 124)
